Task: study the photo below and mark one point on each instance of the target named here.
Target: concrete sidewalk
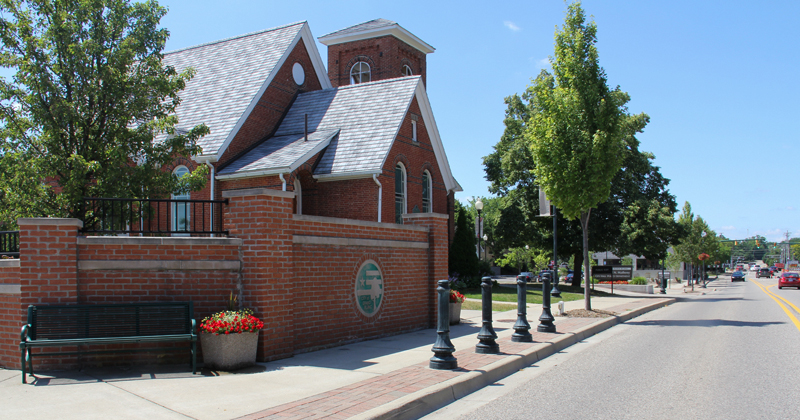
(383, 378)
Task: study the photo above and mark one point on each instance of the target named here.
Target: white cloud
(510, 25)
(728, 228)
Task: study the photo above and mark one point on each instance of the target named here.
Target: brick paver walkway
(362, 396)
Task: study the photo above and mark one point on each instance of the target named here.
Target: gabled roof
(367, 118)
(231, 75)
(374, 29)
(279, 154)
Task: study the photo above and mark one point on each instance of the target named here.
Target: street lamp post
(527, 257)
(485, 250)
(479, 207)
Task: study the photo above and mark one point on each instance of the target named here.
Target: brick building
(340, 194)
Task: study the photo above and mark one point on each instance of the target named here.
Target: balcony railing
(152, 217)
(9, 244)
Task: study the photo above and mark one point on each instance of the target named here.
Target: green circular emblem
(369, 288)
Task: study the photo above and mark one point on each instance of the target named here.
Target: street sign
(612, 272)
(667, 275)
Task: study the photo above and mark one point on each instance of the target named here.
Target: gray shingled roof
(368, 116)
(229, 74)
(280, 152)
(366, 26)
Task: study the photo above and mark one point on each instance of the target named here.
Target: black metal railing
(152, 217)
(9, 243)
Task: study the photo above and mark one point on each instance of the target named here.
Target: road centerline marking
(785, 309)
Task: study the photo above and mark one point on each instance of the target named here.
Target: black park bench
(76, 325)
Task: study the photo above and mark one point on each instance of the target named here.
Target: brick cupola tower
(375, 50)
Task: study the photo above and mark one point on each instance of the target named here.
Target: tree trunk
(577, 266)
(585, 228)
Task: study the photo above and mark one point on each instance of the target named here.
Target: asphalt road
(733, 353)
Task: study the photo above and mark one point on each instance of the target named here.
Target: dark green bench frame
(75, 325)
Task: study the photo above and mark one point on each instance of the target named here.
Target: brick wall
(297, 272)
(11, 313)
(261, 218)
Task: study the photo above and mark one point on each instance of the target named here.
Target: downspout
(380, 195)
(211, 195)
(283, 181)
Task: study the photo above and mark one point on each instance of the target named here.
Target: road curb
(437, 396)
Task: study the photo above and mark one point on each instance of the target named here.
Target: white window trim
(430, 191)
(369, 71)
(414, 130)
(407, 73)
(173, 210)
(298, 193)
(405, 187)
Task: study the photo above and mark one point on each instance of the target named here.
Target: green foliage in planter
(638, 280)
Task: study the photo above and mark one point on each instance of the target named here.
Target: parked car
(568, 278)
(773, 269)
(789, 280)
(527, 276)
(737, 275)
(542, 273)
(763, 272)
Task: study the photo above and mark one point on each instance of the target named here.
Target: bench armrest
(23, 335)
(194, 327)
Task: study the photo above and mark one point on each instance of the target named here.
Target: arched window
(298, 194)
(360, 73)
(399, 192)
(406, 70)
(427, 192)
(181, 212)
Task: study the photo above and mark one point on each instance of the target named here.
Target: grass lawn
(496, 307)
(509, 294)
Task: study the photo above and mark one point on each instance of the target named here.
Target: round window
(299, 74)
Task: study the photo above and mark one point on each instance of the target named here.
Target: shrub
(638, 280)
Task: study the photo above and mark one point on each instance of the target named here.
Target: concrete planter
(229, 351)
(455, 313)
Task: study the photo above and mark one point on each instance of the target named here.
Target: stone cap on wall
(49, 221)
(426, 216)
(257, 191)
(355, 222)
(13, 262)
(136, 240)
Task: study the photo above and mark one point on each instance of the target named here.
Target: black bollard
(546, 319)
(443, 349)
(521, 328)
(486, 336)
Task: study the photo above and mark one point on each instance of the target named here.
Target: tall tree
(463, 258)
(578, 128)
(90, 109)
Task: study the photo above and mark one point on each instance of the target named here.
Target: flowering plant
(456, 297)
(231, 322)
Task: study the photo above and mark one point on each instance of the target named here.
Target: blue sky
(719, 80)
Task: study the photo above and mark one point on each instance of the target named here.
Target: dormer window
(360, 73)
(406, 71)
